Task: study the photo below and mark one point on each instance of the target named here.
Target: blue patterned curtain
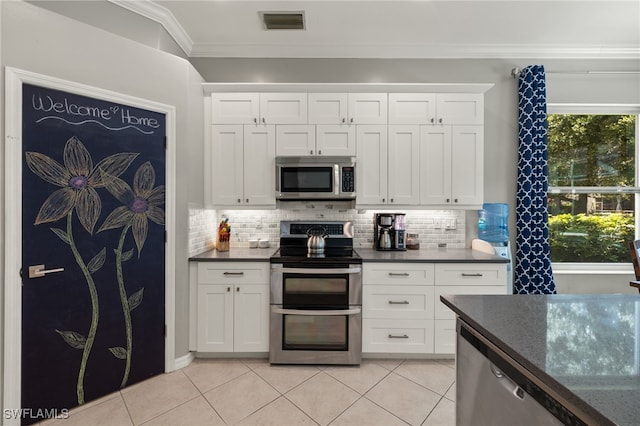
(533, 273)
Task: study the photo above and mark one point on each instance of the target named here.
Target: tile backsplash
(433, 226)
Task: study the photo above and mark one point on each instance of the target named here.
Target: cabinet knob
(391, 200)
(447, 200)
(383, 200)
(247, 201)
(351, 121)
(344, 120)
(255, 120)
(455, 200)
(239, 200)
(237, 289)
(440, 120)
(433, 120)
(311, 152)
(228, 289)
(264, 121)
(319, 152)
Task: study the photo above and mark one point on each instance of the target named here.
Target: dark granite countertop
(435, 255)
(584, 347)
(236, 254)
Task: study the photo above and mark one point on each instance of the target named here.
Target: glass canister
(413, 241)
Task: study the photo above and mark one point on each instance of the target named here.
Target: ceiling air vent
(282, 20)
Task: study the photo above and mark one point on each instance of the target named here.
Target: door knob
(37, 271)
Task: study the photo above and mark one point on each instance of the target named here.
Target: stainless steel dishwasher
(492, 390)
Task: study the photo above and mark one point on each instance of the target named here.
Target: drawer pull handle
(234, 273)
(395, 336)
(404, 302)
(471, 275)
(398, 274)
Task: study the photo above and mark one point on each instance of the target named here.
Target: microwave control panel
(348, 179)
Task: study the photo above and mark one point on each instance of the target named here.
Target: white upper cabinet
(242, 165)
(451, 172)
(295, 140)
(258, 108)
(347, 108)
(404, 165)
(371, 169)
(334, 139)
(440, 108)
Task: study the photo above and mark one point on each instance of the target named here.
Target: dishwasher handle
(507, 383)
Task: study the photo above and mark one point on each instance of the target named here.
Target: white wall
(43, 42)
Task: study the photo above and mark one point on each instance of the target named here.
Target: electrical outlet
(450, 224)
(437, 223)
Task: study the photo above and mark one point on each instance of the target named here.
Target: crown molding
(418, 51)
(161, 15)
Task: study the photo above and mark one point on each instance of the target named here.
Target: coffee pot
(385, 239)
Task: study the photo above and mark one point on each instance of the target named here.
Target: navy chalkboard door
(93, 228)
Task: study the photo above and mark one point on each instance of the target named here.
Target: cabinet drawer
(471, 273)
(397, 301)
(233, 273)
(398, 273)
(444, 337)
(443, 312)
(397, 336)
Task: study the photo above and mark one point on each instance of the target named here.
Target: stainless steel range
(316, 298)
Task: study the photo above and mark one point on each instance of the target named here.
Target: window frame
(603, 109)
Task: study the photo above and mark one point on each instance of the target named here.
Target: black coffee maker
(389, 231)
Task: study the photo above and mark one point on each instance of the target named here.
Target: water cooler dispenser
(493, 221)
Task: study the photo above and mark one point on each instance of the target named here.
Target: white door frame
(14, 78)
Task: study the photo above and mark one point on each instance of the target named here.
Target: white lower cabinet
(232, 307)
(462, 278)
(402, 311)
(397, 308)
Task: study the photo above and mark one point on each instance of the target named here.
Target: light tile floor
(253, 392)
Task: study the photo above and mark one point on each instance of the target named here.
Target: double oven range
(316, 300)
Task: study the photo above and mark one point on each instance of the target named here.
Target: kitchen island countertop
(584, 348)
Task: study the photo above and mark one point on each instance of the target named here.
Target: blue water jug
(493, 221)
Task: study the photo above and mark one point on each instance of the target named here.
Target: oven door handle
(318, 312)
(317, 270)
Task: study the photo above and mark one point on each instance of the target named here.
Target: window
(593, 183)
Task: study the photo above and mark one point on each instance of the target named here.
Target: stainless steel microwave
(315, 178)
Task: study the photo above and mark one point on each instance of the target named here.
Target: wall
(265, 224)
(40, 41)
(567, 82)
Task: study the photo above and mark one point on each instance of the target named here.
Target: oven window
(315, 291)
(311, 332)
(307, 179)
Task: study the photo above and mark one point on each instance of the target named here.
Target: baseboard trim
(184, 361)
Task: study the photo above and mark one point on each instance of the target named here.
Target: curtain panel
(533, 274)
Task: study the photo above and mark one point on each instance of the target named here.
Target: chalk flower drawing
(140, 204)
(77, 179)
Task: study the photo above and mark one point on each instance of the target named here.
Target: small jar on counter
(413, 241)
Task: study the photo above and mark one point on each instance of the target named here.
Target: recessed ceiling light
(282, 20)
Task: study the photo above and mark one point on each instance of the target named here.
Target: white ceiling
(403, 29)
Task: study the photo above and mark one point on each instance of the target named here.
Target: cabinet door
(251, 318)
(371, 169)
(435, 165)
(283, 108)
(467, 159)
(226, 164)
(460, 108)
(412, 108)
(295, 140)
(367, 108)
(259, 165)
(404, 162)
(235, 108)
(332, 139)
(328, 108)
(215, 318)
